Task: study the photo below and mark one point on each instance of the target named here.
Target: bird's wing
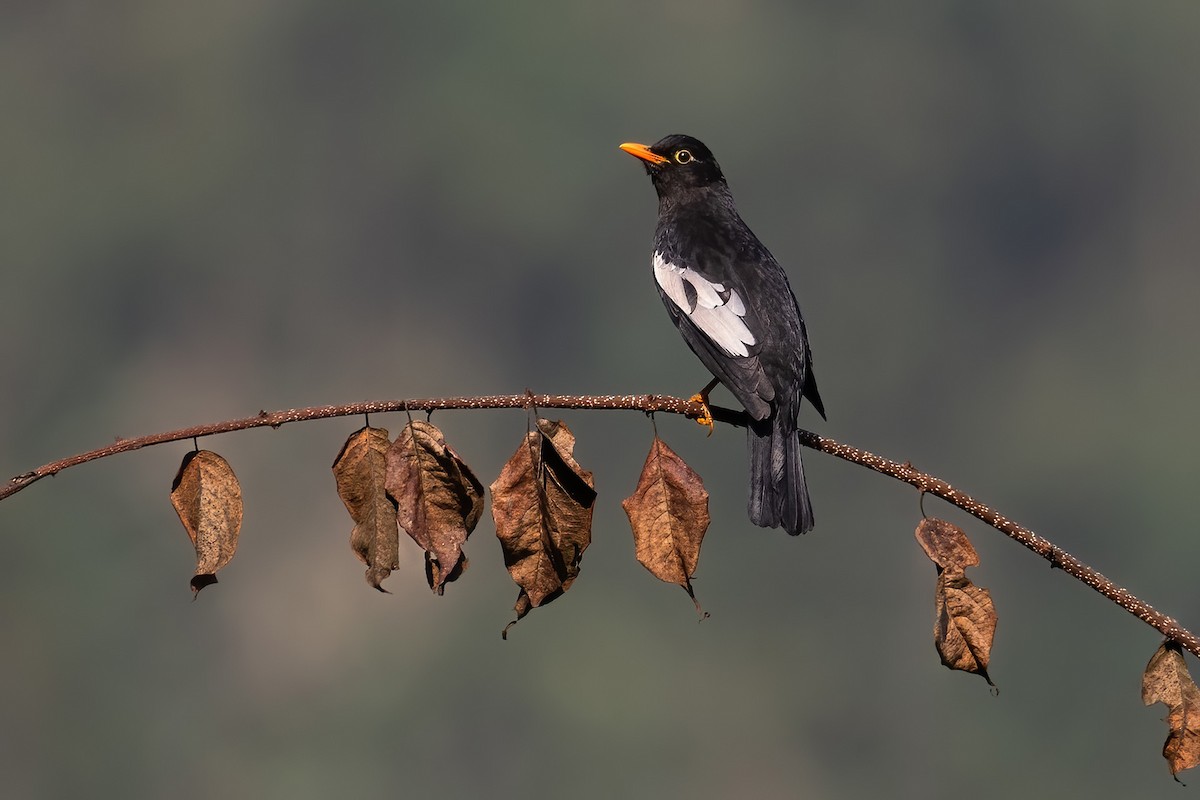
(718, 311)
(712, 318)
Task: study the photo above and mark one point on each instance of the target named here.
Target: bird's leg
(701, 397)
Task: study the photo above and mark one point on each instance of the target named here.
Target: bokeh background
(988, 210)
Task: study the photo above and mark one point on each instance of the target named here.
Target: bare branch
(647, 403)
(650, 403)
(1057, 557)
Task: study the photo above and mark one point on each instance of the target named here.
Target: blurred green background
(989, 212)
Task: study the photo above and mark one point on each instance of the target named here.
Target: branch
(649, 404)
(1057, 557)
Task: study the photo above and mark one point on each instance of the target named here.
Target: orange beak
(641, 151)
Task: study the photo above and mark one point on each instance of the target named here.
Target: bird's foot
(706, 417)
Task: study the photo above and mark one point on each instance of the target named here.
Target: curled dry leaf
(668, 512)
(1166, 680)
(438, 499)
(208, 499)
(360, 469)
(965, 622)
(542, 506)
(946, 544)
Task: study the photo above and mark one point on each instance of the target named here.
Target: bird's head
(677, 164)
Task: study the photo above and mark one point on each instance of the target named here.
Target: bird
(731, 301)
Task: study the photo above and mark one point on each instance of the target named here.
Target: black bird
(731, 300)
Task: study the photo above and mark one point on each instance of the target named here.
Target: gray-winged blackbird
(731, 300)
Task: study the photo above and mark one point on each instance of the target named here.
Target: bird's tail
(778, 494)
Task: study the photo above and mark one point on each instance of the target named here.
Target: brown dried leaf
(1166, 680)
(946, 544)
(966, 623)
(542, 506)
(359, 470)
(438, 499)
(208, 499)
(668, 512)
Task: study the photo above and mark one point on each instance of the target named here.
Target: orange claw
(706, 418)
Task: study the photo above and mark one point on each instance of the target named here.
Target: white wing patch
(717, 311)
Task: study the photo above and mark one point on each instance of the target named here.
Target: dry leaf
(542, 506)
(966, 623)
(208, 499)
(1166, 680)
(946, 544)
(359, 470)
(668, 512)
(438, 499)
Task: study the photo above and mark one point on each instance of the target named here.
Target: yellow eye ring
(683, 157)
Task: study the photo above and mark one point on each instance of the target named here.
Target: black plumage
(731, 300)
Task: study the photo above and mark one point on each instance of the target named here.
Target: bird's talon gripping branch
(701, 397)
(706, 417)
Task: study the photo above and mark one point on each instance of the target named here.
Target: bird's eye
(683, 157)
